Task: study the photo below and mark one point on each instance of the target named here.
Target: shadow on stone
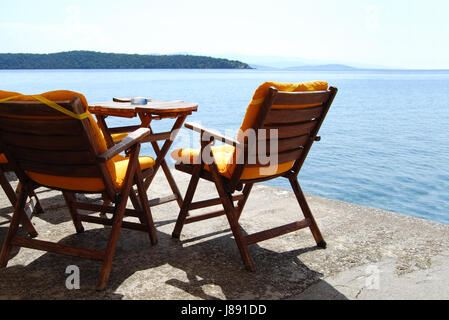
(173, 269)
(3, 231)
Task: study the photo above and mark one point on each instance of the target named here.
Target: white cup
(139, 101)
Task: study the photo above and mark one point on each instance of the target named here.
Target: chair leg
(147, 217)
(12, 196)
(106, 202)
(187, 201)
(13, 227)
(232, 214)
(307, 212)
(9, 191)
(25, 220)
(37, 208)
(112, 243)
(70, 199)
(118, 219)
(136, 202)
(135, 198)
(241, 203)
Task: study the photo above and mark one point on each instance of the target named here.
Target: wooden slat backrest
(296, 117)
(40, 139)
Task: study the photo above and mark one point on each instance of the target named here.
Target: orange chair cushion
(117, 137)
(225, 156)
(222, 157)
(116, 166)
(3, 159)
(120, 165)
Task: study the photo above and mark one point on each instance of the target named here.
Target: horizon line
(252, 65)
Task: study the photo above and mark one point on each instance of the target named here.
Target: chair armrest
(209, 133)
(133, 138)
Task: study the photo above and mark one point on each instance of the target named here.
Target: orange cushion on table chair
(225, 156)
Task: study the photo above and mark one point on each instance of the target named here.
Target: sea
(385, 141)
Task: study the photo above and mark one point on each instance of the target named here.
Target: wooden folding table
(154, 110)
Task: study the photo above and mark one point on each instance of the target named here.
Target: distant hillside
(98, 60)
(264, 68)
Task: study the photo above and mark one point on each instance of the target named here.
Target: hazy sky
(392, 33)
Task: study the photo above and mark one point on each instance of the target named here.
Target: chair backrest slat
(33, 108)
(283, 145)
(280, 115)
(45, 142)
(281, 157)
(291, 129)
(75, 171)
(301, 98)
(42, 140)
(69, 157)
(62, 127)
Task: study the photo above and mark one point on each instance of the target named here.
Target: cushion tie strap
(53, 105)
(10, 98)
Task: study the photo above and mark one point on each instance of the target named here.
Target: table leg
(161, 162)
(170, 179)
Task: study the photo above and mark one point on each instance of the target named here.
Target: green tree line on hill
(98, 60)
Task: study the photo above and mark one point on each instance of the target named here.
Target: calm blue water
(385, 140)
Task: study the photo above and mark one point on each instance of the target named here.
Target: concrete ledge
(371, 254)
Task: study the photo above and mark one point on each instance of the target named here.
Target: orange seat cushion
(225, 156)
(116, 166)
(120, 166)
(222, 157)
(117, 137)
(3, 159)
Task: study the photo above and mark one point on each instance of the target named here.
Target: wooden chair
(297, 117)
(57, 144)
(12, 196)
